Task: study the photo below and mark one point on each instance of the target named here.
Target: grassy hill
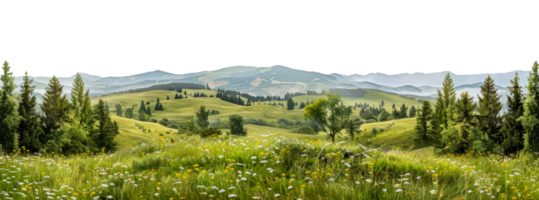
(181, 110)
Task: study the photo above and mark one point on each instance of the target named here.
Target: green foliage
(55, 108)
(306, 130)
(142, 107)
(164, 122)
(29, 127)
(369, 121)
(353, 127)
(119, 111)
(512, 130)
(489, 109)
(9, 117)
(202, 117)
(290, 104)
(384, 116)
(413, 111)
(530, 119)
(403, 111)
(236, 125)
(328, 113)
(106, 130)
(210, 132)
(423, 117)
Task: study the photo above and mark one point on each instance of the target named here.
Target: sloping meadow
(264, 166)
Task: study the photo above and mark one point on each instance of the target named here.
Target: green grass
(296, 168)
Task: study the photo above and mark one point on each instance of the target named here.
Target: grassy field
(401, 133)
(265, 165)
(268, 163)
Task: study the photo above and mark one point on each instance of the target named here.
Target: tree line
(460, 125)
(62, 126)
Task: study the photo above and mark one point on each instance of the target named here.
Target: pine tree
(403, 110)
(423, 117)
(489, 109)
(142, 107)
(157, 104)
(530, 119)
(290, 104)
(168, 98)
(395, 114)
(353, 127)
(202, 117)
(77, 93)
(9, 105)
(29, 127)
(106, 130)
(119, 111)
(448, 96)
(55, 108)
(462, 136)
(148, 111)
(412, 111)
(512, 130)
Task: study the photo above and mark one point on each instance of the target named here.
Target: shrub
(236, 125)
(210, 132)
(282, 125)
(164, 122)
(306, 130)
(173, 125)
(153, 120)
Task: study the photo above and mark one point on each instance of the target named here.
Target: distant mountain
(155, 75)
(434, 79)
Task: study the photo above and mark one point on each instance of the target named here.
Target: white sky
(119, 70)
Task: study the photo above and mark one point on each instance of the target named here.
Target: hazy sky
(119, 70)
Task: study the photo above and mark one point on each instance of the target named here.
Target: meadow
(268, 163)
(265, 165)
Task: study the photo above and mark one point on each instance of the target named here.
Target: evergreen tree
(77, 93)
(236, 125)
(29, 127)
(168, 98)
(202, 117)
(157, 104)
(290, 104)
(148, 111)
(448, 96)
(353, 127)
(55, 108)
(141, 115)
(512, 130)
(530, 119)
(423, 117)
(412, 111)
(142, 107)
(106, 130)
(393, 106)
(395, 114)
(489, 109)
(119, 111)
(403, 113)
(107, 106)
(9, 105)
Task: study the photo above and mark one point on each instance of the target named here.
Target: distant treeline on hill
(165, 86)
(259, 98)
(403, 95)
(358, 93)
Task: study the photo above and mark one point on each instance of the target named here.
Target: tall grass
(265, 166)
